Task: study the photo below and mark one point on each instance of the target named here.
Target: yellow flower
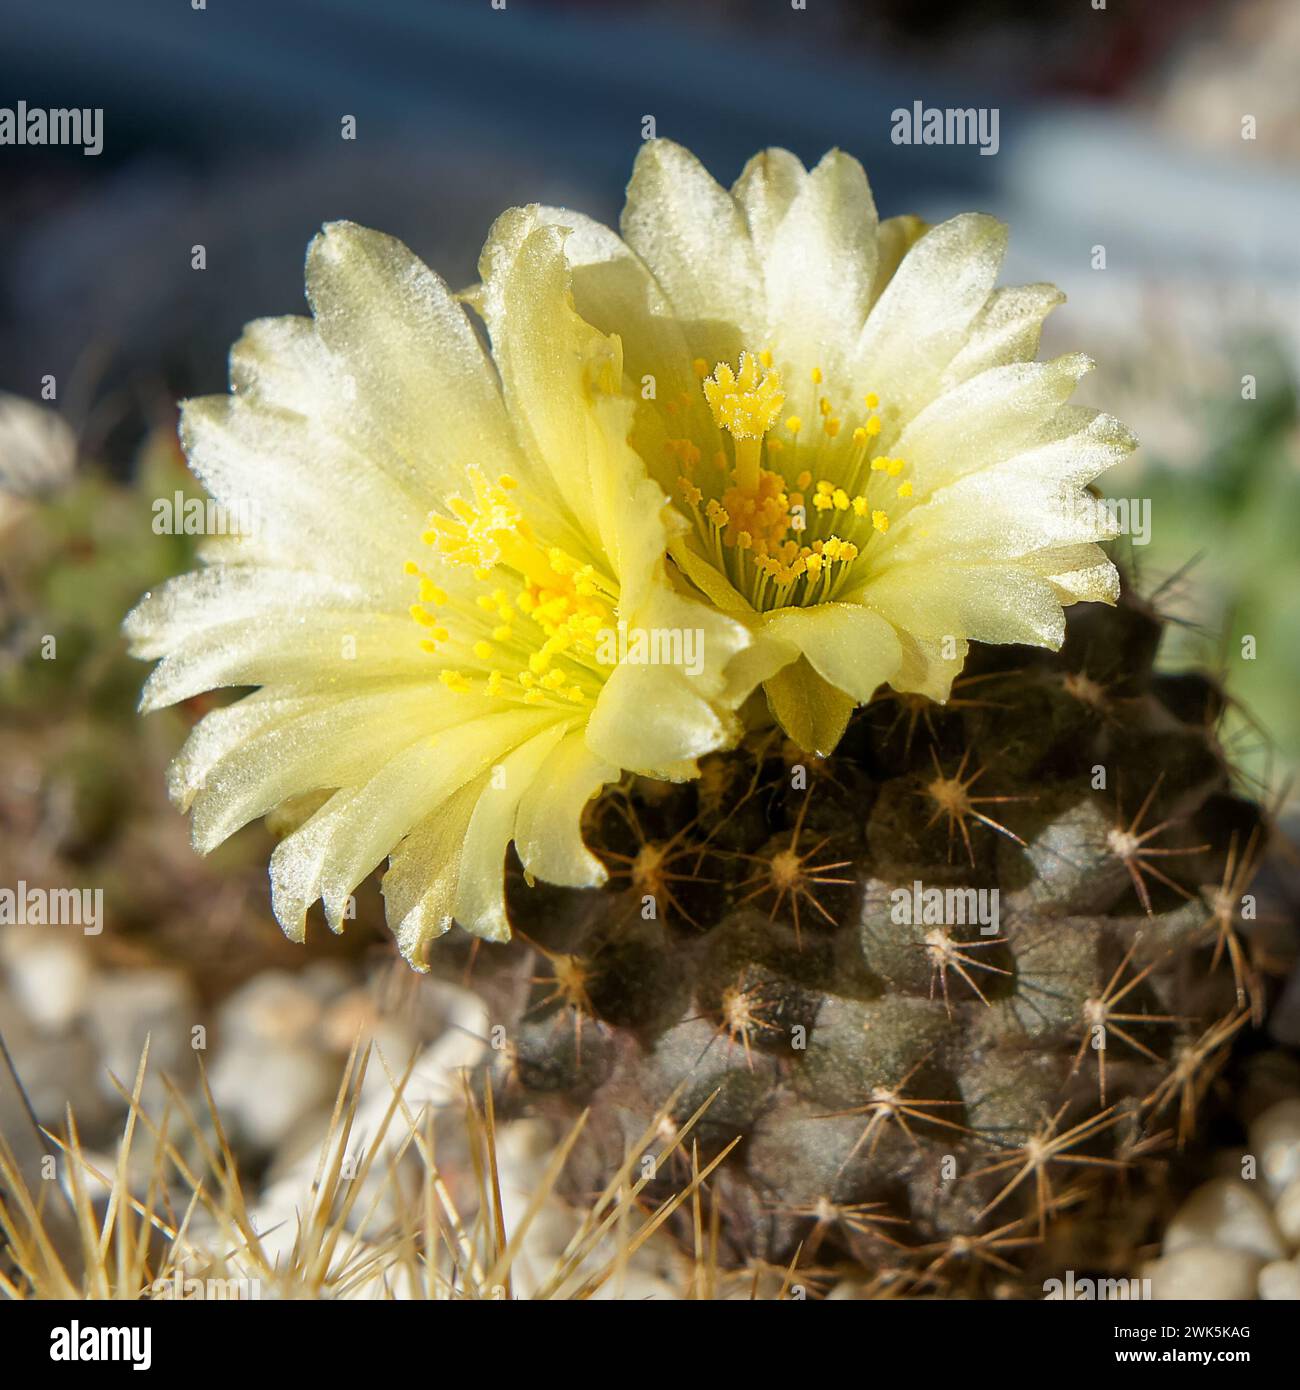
(879, 469)
(431, 601)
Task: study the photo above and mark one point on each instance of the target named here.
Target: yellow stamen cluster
(760, 523)
(744, 403)
(472, 534)
(533, 636)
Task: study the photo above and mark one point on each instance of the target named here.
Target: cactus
(930, 1103)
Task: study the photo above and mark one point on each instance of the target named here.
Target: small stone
(49, 975)
(1275, 1141)
(1203, 1271)
(351, 1016)
(275, 1007)
(128, 1006)
(1287, 1214)
(1228, 1213)
(264, 1092)
(1280, 1281)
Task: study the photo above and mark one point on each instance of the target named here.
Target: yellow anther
(765, 357)
(817, 376)
(455, 681)
(872, 400)
(905, 489)
(794, 424)
(872, 426)
(746, 404)
(880, 520)
(483, 650)
(700, 367)
(896, 466)
(832, 425)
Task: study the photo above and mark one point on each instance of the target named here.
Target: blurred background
(1169, 135)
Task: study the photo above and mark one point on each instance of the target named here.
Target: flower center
(531, 633)
(789, 515)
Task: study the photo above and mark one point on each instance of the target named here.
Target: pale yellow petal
(767, 186)
(930, 665)
(849, 646)
(693, 236)
(423, 876)
(332, 742)
(648, 723)
(922, 317)
(330, 854)
(410, 355)
(813, 713)
(1007, 330)
(895, 237)
(301, 487)
(820, 267)
(992, 417)
(548, 830)
(481, 897)
(987, 603)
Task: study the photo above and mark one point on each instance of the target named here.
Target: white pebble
(1229, 1213)
(1280, 1281)
(1287, 1214)
(49, 974)
(1203, 1271)
(1275, 1142)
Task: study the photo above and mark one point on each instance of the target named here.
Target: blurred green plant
(1229, 527)
(73, 564)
